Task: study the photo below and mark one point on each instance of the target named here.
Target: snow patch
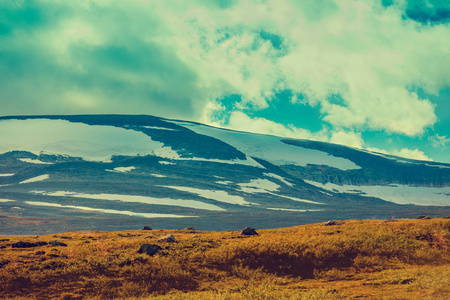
(108, 211)
(6, 200)
(259, 186)
(35, 161)
(158, 175)
(291, 209)
(400, 194)
(160, 128)
(139, 199)
(220, 196)
(35, 179)
(163, 162)
(122, 169)
(248, 162)
(225, 182)
(6, 175)
(268, 187)
(279, 178)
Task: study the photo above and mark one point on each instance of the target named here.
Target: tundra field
(394, 259)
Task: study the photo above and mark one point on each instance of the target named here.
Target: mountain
(115, 172)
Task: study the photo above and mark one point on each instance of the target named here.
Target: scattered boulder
(447, 217)
(40, 252)
(190, 228)
(149, 249)
(249, 231)
(2, 247)
(423, 217)
(57, 243)
(167, 239)
(331, 223)
(147, 228)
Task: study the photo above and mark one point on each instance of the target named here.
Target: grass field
(396, 259)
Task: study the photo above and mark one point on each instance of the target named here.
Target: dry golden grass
(405, 259)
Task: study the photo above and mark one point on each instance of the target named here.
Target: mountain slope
(109, 171)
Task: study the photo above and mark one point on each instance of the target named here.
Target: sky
(370, 74)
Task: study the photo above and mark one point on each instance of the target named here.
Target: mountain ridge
(103, 171)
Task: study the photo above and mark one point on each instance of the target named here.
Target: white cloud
(368, 55)
(413, 154)
(241, 121)
(439, 141)
(347, 138)
(175, 58)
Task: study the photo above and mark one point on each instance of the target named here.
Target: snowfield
(35, 179)
(91, 142)
(400, 194)
(220, 196)
(35, 161)
(272, 149)
(108, 211)
(138, 199)
(122, 169)
(6, 200)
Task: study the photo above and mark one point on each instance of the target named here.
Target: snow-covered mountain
(108, 172)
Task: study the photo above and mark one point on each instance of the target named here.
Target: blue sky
(368, 74)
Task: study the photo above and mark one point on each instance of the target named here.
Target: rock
(447, 217)
(249, 231)
(57, 243)
(423, 217)
(149, 249)
(167, 238)
(2, 247)
(40, 252)
(406, 281)
(190, 228)
(147, 228)
(330, 223)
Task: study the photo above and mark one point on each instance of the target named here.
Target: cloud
(347, 138)
(439, 141)
(241, 121)
(360, 62)
(368, 55)
(413, 154)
